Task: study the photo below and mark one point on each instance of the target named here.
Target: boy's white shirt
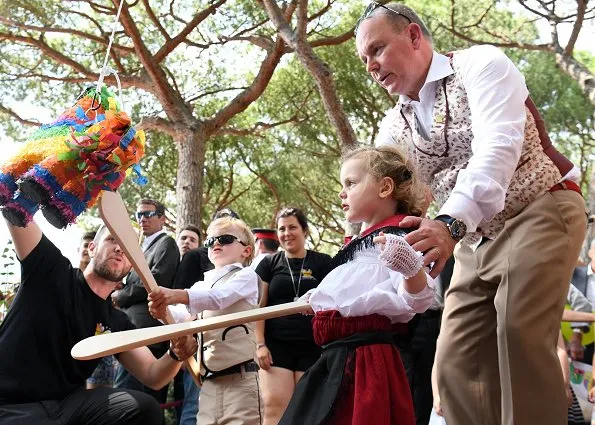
(202, 296)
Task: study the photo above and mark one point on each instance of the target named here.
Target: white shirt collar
(149, 239)
(213, 275)
(439, 69)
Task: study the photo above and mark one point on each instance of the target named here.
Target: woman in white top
(378, 281)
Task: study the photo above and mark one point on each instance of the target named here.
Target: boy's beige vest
(224, 348)
(539, 168)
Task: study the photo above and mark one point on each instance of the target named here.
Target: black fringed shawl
(365, 240)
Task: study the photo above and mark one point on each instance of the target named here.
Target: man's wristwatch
(173, 355)
(457, 228)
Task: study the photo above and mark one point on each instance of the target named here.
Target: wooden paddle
(116, 218)
(112, 343)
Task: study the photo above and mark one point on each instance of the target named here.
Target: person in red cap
(266, 244)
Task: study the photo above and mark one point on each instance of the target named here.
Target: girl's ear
(387, 187)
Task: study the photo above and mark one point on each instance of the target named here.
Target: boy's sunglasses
(371, 8)
(146, 214)
(223, 240)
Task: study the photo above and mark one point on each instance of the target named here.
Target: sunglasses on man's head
(222, 239)
(371, 8)
(146, 214)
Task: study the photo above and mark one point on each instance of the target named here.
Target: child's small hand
(592, 395)
(159, 299)
(380, 240)
(399, 256)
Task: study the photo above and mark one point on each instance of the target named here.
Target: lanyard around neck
(296, 291)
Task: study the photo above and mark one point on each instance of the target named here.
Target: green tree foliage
(281, 150)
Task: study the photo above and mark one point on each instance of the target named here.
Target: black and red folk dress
(359, 379)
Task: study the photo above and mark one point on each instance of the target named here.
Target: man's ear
(415, 34)
(387, 187)
(91, 249)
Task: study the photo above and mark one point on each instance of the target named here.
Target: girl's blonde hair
(244, 232)
(390, 161)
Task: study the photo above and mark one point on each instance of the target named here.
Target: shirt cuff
(179, 313)
(422, 300)
(198, 299)
(579, 325)
(461, 207)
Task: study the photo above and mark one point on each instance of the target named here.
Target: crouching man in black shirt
(57, 306)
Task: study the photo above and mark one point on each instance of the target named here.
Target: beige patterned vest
(438, 161)
(224, 348)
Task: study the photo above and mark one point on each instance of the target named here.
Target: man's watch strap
(456, 227)
(173, 355)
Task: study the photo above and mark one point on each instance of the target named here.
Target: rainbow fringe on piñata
(65, 165)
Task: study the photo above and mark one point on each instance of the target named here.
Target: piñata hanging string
(106, 70)
(64, 165)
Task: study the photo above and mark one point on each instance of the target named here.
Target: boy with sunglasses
(228, 370)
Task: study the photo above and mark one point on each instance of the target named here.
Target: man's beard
(102, 270)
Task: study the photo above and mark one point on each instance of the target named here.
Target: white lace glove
(399, 256)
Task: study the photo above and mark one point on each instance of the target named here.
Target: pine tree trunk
(189, 185)
(579, 73)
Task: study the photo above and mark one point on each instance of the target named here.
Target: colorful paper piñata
(63, 166)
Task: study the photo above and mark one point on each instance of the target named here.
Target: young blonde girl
(359, 378)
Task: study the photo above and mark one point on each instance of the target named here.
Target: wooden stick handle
(116, 218)
(112, 343)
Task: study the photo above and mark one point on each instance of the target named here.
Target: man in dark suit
(162, 255)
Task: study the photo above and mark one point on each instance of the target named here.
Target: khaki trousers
(496, 354)
(230, 400)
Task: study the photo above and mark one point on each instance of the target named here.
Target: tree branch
(535, 11)
(170, 45)
(172, 102)
(253, 92)
(59, 57)
(542, 47)
(576, 28)
(17, 117)
(579, 73)
(211, 92)
(123, 50)
(155, 21)
(318, 69)
(233, 198)
(162, 125)
(259, 127)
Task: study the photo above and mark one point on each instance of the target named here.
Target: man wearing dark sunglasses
(163, 256)
(507, 199)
